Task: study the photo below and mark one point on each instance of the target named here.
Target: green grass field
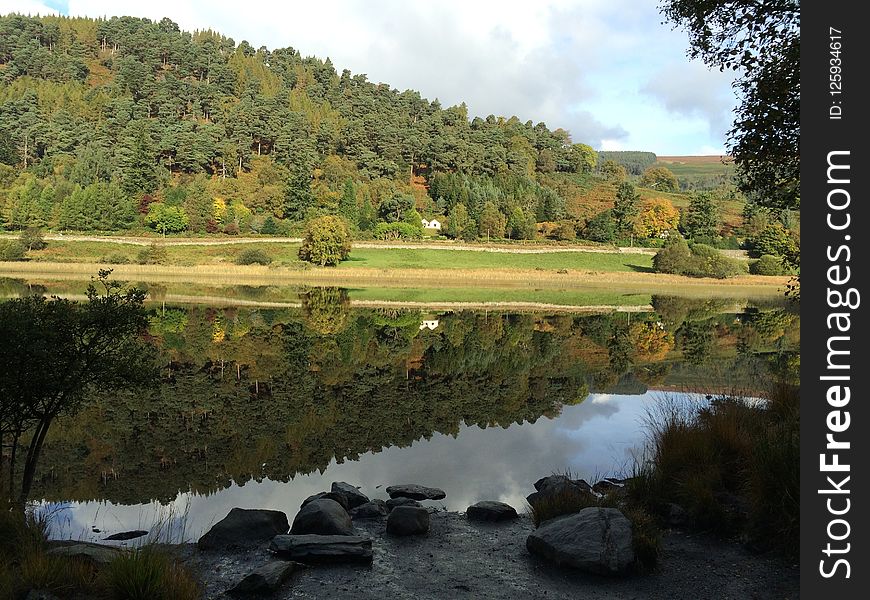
(375, 258)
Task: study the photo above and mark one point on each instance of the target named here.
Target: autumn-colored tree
(327, 241)
(656, 218)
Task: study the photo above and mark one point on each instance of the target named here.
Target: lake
(262, 406)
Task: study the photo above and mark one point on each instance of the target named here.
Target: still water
(260, 407)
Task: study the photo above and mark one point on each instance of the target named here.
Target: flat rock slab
(595, 540)
(323, 548)
(488, 510)
(126, 535)
(408, 520)
(415, 492)
(101, 555)
(352, 495)
(244, 528)
(374, 509)
(322, 517)
(265, 579)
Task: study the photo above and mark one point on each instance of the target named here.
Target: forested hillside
(127, 123)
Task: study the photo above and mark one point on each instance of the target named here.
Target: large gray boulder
(244, 527)
(323, 548)
(351, 493)
(322, 517)
(340, 498)
(408, 520)
(596, 540)
(488, 510)
(415, 492)
(265, 579)
(374, 509)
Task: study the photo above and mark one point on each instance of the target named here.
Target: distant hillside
(125, 123)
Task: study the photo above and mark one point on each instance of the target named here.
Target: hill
(124, 123)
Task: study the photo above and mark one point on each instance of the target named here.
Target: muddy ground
(463, 559)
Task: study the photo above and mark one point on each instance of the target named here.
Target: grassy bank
(731, 466)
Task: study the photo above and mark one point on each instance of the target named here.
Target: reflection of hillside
(253, 394)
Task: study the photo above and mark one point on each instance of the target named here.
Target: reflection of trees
(378, 382)
(326, 309)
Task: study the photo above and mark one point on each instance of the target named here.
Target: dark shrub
(11, 250)
(231, 229)
(768, 264)
(153, 254)
(253, 256)
(31, 239)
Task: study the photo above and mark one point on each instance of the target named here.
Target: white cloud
(26, 7)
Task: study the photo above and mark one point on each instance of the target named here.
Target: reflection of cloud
(495, 463)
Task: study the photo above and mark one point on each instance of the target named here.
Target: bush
(253, 256)
(397, 231)
(699, 260)
(326, 241)
(732, 465)
(768, 264)
(153, 254)
(231, 229)
(11, 250)
(115, 259)
(211, 226)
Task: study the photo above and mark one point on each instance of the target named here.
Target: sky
(608, 71)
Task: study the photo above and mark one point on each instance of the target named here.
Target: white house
(431, 325)
(433, 224)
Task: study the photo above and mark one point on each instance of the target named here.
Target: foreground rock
(374, 509)
(488, 510)
(559, 486)
(244, 527)
(351, 493)
(415, 492)
(400, 501)
(322, 517)
(126, 535)
(340, 498)
(323, 548)
(93, 553)
(596, 540)
(265, 579)
(408, 520)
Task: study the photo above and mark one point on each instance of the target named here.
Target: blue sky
(606, 70)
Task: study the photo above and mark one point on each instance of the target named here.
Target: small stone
(374, 509)
(488, 510)
(351, 493)
(415, 492)
(340, 498)
(408, 520)
(400, 501)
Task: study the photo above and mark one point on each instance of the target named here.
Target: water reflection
(601, 435)
(261, 407)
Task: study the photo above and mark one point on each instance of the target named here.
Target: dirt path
(497, 248)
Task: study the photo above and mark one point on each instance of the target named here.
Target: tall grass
(731, 464)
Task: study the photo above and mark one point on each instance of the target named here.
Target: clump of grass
(732, 465)
(56, 574)
(556, 505)
(149, 574)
